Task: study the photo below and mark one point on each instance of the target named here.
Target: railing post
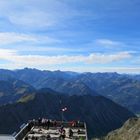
(86, 130)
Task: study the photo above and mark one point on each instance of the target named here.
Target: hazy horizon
(80, 72)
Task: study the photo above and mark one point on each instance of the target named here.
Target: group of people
(47, 123)
(62, 132)
(44, 122)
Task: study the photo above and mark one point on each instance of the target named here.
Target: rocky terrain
(129, 131)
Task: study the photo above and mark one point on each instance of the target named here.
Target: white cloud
(32, 19)
(16, 61)
(35, 60)
(38, 14)
(107, 58)
(7, 54)
(8, 38)
(25, 13)
(12, 37)
(107, 42)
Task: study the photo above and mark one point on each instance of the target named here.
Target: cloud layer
(33, 60)
(13, 37)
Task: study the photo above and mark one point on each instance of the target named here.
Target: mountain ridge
(121, 88)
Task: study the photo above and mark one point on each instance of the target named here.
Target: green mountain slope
(12, 90)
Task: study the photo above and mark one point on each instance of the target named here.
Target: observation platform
(51, 130)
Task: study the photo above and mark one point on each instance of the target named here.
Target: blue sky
(70, 35)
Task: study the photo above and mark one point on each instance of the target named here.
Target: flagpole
(62, 116)
(61, 111)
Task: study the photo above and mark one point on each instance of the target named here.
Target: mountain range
(121, 88)
(30, 93)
